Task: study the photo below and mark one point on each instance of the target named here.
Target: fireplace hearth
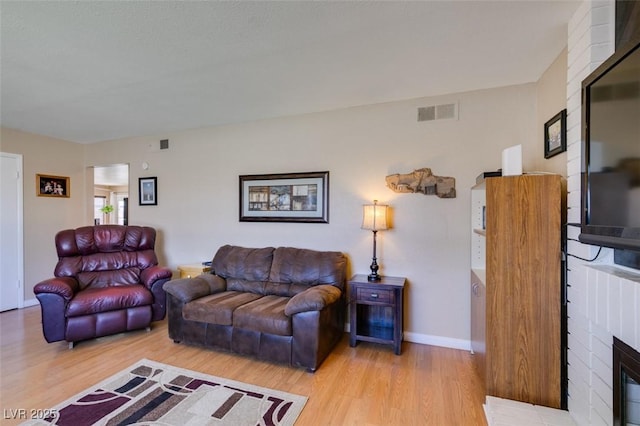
(626, 384)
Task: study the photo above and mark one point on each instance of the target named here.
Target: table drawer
(375, 295)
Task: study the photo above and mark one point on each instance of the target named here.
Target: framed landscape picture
(53, 186)
(148, 191)
(285, 197)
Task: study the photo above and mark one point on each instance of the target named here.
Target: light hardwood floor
(365, 385)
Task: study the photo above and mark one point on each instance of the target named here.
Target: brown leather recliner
(284, 305)
(107, 281)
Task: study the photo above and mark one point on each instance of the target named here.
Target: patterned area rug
(149, 393)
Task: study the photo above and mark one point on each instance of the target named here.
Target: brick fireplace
(604, 299)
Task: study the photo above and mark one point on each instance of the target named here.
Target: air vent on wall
(158, 146)
(438, 112)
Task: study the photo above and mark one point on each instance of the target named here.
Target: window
(98, 203)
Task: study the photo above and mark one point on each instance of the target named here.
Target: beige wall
(197, 207)
(551, 97)
(44, 216)
(429, 244)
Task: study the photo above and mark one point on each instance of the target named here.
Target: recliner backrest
(105, 255)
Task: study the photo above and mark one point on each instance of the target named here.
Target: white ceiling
(89, 71)
(113, 175)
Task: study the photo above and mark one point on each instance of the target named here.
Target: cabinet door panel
(523, 288)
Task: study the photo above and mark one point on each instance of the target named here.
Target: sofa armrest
(154, 273)
(315, 298)
(65, 287)
(188, 289)
(216, 284)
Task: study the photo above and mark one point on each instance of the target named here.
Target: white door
(11, 260)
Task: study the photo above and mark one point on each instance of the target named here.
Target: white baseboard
(445, 342)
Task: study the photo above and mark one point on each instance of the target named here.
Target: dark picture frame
(53, 186)
(148, 191)
(285, 197)
(555, 135)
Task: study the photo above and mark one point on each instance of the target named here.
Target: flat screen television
(611, 166)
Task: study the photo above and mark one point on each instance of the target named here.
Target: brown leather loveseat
(107, 281)
(284, 305)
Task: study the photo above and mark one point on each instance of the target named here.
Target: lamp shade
(374, 216)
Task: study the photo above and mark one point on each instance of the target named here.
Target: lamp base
(374, 269)
(374, 262)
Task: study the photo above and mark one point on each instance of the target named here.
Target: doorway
(111, 194)
(11, 230)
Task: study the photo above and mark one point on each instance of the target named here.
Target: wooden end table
(192, 270)
(376, 310)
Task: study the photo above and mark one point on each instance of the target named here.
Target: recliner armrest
(154, 273)
(315, 298)
(65, 287)
(188, 289)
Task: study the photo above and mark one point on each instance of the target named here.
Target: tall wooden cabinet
(516, 286)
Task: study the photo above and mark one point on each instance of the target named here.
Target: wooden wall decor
(422, 181)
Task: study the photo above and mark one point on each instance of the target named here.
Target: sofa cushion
(250, 264)
(234, 284)
(217, 308)
(94, 300)
(303, 268)
(265, 315)
(109, 276)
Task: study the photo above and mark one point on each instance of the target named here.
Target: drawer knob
(374, 295)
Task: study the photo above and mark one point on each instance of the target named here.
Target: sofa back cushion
(245, 269)
(284, 271)
(105, 255)
(294, 270)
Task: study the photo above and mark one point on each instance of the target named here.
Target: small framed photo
(285, 197)
(53, 186)
(555, 135)
(148, 191)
